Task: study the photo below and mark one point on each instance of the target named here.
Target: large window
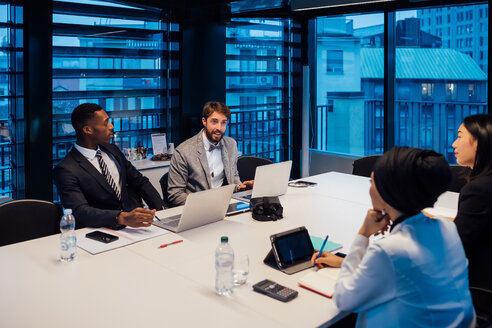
(348, 114)
(441, 62)
(11, 100)
(122, 57)
(262, 55)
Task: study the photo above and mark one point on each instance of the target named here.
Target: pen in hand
(169, 244)
(321, 250)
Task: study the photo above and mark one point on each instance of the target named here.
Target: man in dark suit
(97, 182)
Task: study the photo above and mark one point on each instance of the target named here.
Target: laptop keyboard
(172, 221)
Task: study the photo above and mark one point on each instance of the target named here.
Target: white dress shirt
(90, 155)
(215, 165)
(415, 277)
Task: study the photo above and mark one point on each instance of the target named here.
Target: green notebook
(330, 246)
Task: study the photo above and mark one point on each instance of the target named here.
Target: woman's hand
(326, 259)
(375, 221)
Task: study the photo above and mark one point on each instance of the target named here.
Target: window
(11, 101)
(450, 91)
(262, 54)
(123, 58)
(334, 61)
(348, 114)
(427, 91)
(450, 80)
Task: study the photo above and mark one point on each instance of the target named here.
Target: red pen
(174, 242)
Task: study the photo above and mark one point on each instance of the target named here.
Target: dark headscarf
(411, 179)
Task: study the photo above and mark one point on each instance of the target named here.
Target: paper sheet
(159, 145)
(126, 236)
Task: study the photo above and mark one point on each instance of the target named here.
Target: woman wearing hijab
(417, 275)
(473, 148)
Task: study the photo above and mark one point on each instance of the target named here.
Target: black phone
(102, 236)
(274, 290)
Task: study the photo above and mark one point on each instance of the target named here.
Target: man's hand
(245, 185)
(375, 221)
(139, 217)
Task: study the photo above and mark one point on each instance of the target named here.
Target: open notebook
(321, 281)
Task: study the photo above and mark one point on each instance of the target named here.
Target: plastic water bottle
(68, 240)
(224, 262)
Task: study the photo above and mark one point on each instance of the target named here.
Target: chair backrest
(164, 182)
(26, 219)
(246, 166)
(364, 165)
(459, 177)
(482, 302)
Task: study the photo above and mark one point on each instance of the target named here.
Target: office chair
(164, 182)
(26, 219)
(482, 301)
(363, 166)
(246, 166)
(459, 177)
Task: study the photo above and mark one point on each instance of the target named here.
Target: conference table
(146, 286)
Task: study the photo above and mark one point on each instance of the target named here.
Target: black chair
(363, 166)
(164, 182)
(459, 177)
(482, 302)
(26, 219)
(246, 166)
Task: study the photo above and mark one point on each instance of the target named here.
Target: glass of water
(241, 269)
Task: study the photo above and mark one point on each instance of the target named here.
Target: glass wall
(122, 57)
(441, 74)
(11, 100)
(348, 114)
(261, 56)
(441, 63)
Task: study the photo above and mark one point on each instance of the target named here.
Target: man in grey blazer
(206, 160)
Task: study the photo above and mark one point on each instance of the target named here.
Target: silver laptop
(270, 180)
(201, 208)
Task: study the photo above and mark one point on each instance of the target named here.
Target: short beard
(211, 138)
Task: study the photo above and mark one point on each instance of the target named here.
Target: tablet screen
(294, 248)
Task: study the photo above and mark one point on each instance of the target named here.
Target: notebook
(330, 246)
(201, 208)
(270, 180)
(321, 281)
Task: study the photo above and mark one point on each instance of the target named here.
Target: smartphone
(102, 236)
(237, 208)
(302, 184)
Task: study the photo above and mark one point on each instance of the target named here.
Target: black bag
(266, 208)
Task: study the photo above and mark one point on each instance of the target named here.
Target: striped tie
(106, 174)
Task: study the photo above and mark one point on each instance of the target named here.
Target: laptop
(270, 180)
(201, 208)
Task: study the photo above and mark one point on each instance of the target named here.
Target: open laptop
(270, 180)
(201, 208)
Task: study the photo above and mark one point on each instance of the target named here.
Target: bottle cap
(67, 211)
(224, 239)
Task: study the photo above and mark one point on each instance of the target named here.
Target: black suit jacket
(92, 200)
(474, 223)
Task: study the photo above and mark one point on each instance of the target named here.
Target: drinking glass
(241, 269)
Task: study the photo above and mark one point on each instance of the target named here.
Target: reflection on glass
(11, 102)
(258, 80)
(121, 64)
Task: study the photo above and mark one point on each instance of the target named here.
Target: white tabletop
(141, 285)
